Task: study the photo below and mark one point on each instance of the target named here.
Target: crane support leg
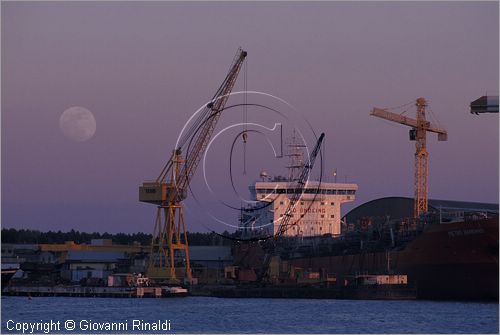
(169, 228)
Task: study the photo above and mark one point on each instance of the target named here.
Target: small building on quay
(84, 265)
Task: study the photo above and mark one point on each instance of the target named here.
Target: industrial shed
(401, 207)
(90, 264)
(215, 257)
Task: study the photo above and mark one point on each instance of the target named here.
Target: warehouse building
(401, 207)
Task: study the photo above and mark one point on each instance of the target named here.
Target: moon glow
(77, 123)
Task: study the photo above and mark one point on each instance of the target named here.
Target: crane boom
(284, 224)
(170, 188)
(202, 135)
(408, 121)
(299, 187)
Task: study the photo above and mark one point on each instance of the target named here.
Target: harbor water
(217, 315)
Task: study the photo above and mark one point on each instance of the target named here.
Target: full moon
(77, 123)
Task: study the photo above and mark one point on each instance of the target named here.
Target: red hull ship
(456, 261)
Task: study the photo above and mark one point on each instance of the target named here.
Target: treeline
(26, 236)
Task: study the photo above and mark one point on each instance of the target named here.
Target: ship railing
(474, 216)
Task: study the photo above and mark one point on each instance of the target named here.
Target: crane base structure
(169, 245)
(165, 256)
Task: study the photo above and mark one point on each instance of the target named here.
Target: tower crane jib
(418, 133)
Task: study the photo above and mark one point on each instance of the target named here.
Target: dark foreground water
(214, 315)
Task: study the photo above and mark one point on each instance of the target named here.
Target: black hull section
(6, 277)
(456, 261)
(477, 282)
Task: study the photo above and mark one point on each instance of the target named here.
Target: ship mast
(295, 157)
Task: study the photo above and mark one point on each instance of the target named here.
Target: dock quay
(81, 291)
(372, 292)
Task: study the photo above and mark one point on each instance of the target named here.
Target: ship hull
(6, 276)
(454, 261)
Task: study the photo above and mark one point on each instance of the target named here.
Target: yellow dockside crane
(170, 188)
(418, 132)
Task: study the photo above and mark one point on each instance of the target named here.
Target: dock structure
(81, 291)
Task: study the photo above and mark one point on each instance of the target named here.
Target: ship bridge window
(281, 190)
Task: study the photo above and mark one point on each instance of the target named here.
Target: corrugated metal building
(401, 207)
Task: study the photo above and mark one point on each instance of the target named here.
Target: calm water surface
(215, 315)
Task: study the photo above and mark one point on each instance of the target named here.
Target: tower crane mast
(418, 133)
(170, 188)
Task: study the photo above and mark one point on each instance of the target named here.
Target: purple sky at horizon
(143, 68)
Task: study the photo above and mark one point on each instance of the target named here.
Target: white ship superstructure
(316, 213)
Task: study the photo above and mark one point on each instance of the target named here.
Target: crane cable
(434, 118)
(245, 116)
(400, 106)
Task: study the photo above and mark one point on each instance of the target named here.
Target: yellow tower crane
(418, 132)
(167, 192)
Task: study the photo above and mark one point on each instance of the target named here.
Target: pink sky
(143, 68)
